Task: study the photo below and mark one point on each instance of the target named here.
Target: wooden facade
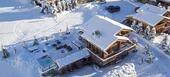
(124, 32)
(167, 14)
(73, 66)
(113, 53)
(69, 68)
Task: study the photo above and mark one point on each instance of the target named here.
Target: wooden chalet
(154, 9)
(160, 23)
(106, 39)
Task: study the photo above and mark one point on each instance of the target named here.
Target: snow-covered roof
(69, 59)
(152, 9)
(108, 29)
(148, 18)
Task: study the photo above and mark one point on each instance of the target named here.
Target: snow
(127, 7)
(152, 9)
(147, 17)
(127, 70)
(20, 22)
(108, 28)
(160, 66)
(62, 62)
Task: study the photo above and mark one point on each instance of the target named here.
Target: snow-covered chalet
(106, 39)
(157, 19)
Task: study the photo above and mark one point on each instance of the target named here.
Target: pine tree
(152, 33)
(63, 5)
(74, 3)
(147, 32)
(139, 28)
(133, 24)
(58, 5)
(146, 49)
(45, 5)
(5, 53)
(67, 5)
(150, 57)
(164, 41)
(36, 42)
(149, 54)
(51, 8)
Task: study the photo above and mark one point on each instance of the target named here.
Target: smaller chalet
(155, 10)
(160, 23)
(60, 64)
(107, 40)
(72, 61)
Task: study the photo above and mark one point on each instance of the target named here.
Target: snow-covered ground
(20, 21)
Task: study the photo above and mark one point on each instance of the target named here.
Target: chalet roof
(148, 18)
(108, 29)
(152, 9)
(69, 59)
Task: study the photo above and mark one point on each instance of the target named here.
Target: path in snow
(164, 60)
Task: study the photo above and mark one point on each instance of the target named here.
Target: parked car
(113, 9)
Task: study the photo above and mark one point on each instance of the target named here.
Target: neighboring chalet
(160, 23)
(106, 39)
(164, 2)
(155, 10)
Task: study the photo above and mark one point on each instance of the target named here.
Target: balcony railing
(113, 56)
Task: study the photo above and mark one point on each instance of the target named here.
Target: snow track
(152, 46)
(164, 59)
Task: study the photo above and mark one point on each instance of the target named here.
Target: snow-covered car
(113, 9)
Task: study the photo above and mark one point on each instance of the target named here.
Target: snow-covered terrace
(59, 58)
(108, 29)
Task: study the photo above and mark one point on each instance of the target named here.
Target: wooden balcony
(114, 57)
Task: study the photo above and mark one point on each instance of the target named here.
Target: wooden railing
(53, 66)
(111, 58)
(102, 61)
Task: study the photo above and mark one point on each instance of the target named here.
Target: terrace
(59, 53)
